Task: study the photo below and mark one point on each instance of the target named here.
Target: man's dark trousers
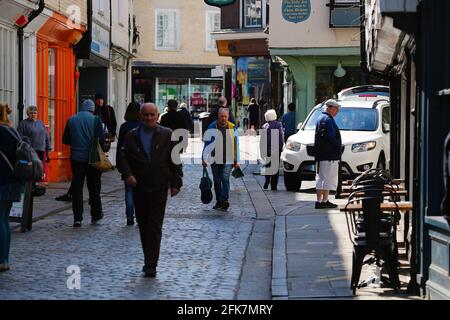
(149, 209)
(80, 171)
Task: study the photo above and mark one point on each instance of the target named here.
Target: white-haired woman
(35, 130)
(273, 130)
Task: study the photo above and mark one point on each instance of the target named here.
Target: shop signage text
(296, 10)
(219, 3)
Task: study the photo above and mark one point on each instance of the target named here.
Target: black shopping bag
(205, 187)
(237, 173)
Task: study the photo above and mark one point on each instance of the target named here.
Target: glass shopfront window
(204, 96)
(252, 81)
(171, 88)
(200, 94)
(328, 85)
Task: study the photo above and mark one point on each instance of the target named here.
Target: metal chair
(371, 233)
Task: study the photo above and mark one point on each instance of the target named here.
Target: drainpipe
(20, 34)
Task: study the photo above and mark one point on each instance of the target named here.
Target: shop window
(171, 88)
(204, 95)
(344, 13)
(252, 12)
(328, 85)
(7, 54)
(166, 29)
(212, 24)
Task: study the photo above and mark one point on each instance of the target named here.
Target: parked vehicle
(366, 92)
(364, 123)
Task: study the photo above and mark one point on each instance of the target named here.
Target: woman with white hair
(35, 130)
(271, 150)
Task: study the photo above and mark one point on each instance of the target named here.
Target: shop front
(12, 13)
(252, 81)
(56, 83)
(193, 86)
(322, 76)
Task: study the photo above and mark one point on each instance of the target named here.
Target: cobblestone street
(201, 252)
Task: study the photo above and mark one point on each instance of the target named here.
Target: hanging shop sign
(296, 10)
(219, 3)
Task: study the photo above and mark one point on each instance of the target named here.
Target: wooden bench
(384, 206)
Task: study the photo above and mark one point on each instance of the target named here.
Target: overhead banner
(296, 10)
(219, 3)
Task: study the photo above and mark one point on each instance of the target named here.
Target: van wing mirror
(299, 126)
(386, 127)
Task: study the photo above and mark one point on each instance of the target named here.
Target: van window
(349, 119)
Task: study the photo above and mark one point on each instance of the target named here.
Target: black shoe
(130, 222)
(218, 206)
(320, 205)
(266, 185)
(274, 188)
(94, 221)
(329, 205)
(150, 272)
(225, 206)
(65, 197)
(77, 224)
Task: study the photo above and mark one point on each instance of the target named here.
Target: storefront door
(56, 101)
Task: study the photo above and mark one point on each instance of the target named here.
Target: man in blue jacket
(222, 144)
(327, 143)
(80, 133)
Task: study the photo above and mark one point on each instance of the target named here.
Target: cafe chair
(372, 233)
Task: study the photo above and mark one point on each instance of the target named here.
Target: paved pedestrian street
(201, 252)
(269, 245)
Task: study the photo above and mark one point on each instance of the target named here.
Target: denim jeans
(5, 232)
(221, 177)
(129, 201)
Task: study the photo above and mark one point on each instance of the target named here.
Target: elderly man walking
(222, 144)
(147, 166)
(327, 143)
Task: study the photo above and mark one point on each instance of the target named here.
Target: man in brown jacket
(147, 166)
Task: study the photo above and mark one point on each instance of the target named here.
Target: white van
(364, 123)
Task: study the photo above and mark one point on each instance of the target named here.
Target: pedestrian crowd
(146, 160)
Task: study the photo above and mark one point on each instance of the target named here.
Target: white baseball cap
(332, 103)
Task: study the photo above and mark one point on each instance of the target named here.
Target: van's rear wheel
(292, 181)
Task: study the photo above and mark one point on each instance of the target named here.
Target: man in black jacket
(445, 206)
(147, 166)
(223, 103)
(173, 120)
(327, 142)
(107, 115)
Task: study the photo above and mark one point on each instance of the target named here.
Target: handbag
(237, 173)
(205, 187)
(98, 158)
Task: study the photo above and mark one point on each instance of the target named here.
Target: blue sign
(219, 3)
(296, 10)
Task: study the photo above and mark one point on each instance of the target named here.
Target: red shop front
(57, 78)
